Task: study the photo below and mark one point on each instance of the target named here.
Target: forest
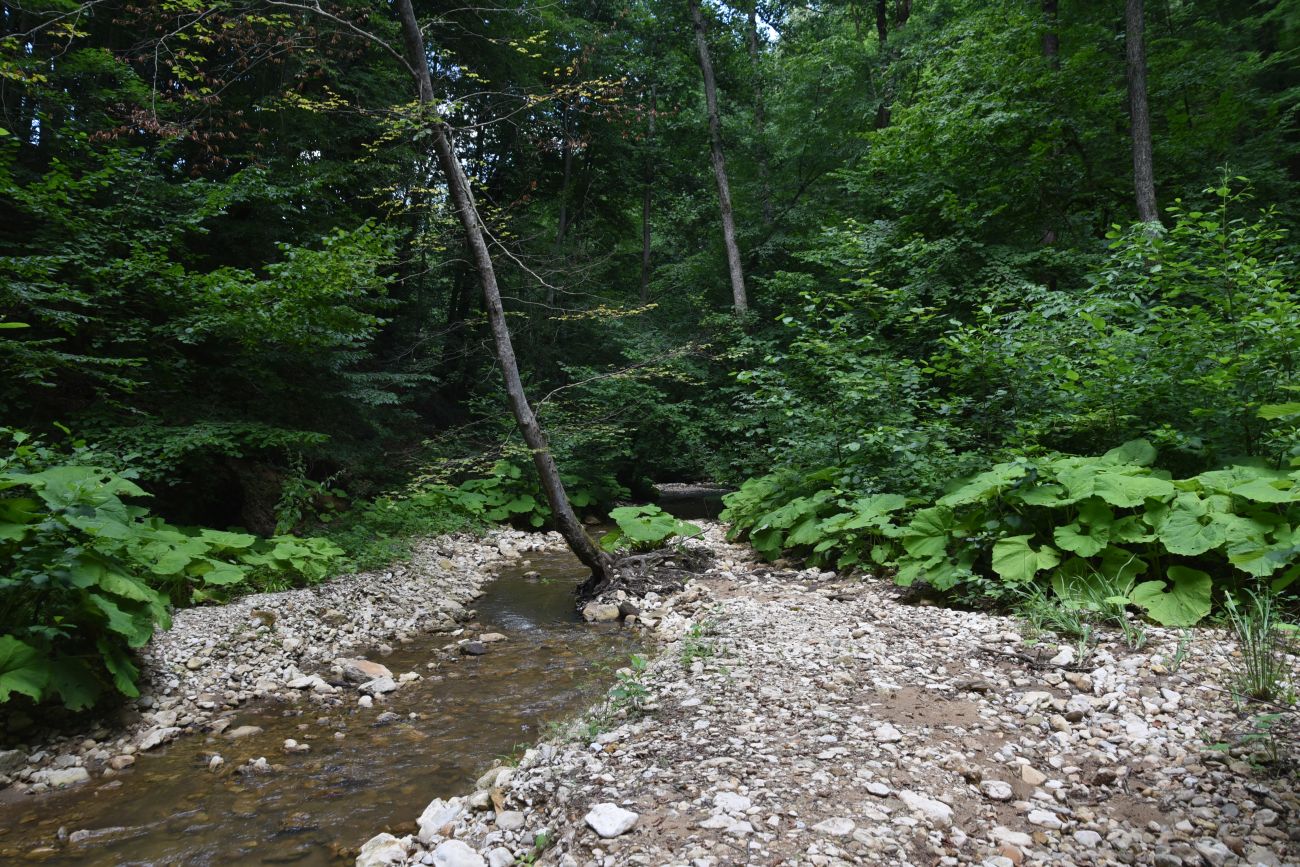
(996, 298)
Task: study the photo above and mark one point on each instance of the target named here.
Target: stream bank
(216, 658)
(297, 775)
(797, 717)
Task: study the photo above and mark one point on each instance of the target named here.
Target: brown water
(318, 807)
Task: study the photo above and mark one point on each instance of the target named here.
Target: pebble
(836, 827)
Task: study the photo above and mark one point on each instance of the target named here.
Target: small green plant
(1181, 652)
(630, 693)
(697, 645)
(1264, 673)
(541, 842)
(644, 528)
(299, 496)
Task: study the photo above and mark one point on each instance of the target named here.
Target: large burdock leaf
(985, 485)
(1138, 452)
(1189, 528)
(1281, 490)
(1090, 533)
(22, 669)
(1118, 487)
(1017, 562)
(1185, 602)
(929, 532)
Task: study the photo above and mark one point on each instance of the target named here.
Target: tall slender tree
(462, 197)
(1144, 183)
(760, 114)
(647, 193)
(740, 299)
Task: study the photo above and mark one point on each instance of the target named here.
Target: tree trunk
(1051, 38)
(562, 227)
(760, 115)
(1140, 115)
(462, 197)
(1052, 53)
(740, 300)
(647, 193)
(882, 33)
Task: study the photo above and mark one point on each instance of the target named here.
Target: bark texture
(647, 197)
(1144, 182)
(462, 197)
(740, 299)
(760, 115)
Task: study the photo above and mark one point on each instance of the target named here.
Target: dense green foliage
(228, 262)
(644, 528)
(86, 575)
(1090, 528)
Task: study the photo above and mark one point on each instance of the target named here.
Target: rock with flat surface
(510, 820)
(381, 850)
(454, 853)
(378, 686)
(64, 777)
(600, 612)
(437, 817)
(835, 827)
(157, 737)
(610, 820)
(937, 811)
(362, 670)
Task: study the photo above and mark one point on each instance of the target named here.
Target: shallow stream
(317, 807)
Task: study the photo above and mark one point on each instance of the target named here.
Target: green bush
(512, 495)
(644, 528)
(85, 576)
(1106, 528)
(384, 530)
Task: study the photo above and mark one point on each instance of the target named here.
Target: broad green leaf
(1016, 561)
(219, 572)
(1039, 495)
(120, 667)
(135, 628)
(806, 532)
(1184, 603)
(1117, 488)
(22, 669)
(521, 504)
(928, 533)
(985, 485)
(1226, 479)
(1279, 410)
(75, 683)
(1082, 539)
(1090, 533)
(1121, 567)
(1189, 528)
(1139, 452)
(1281, 490)
(225, 539)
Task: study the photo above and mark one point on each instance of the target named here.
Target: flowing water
(318, 807)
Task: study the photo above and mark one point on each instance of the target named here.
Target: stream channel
(318, 807)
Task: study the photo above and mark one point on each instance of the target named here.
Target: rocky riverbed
(795, 717)
(273, 645)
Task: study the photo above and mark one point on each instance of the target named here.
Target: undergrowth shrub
(86, 576)
(1107, 530)
(644, 528)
